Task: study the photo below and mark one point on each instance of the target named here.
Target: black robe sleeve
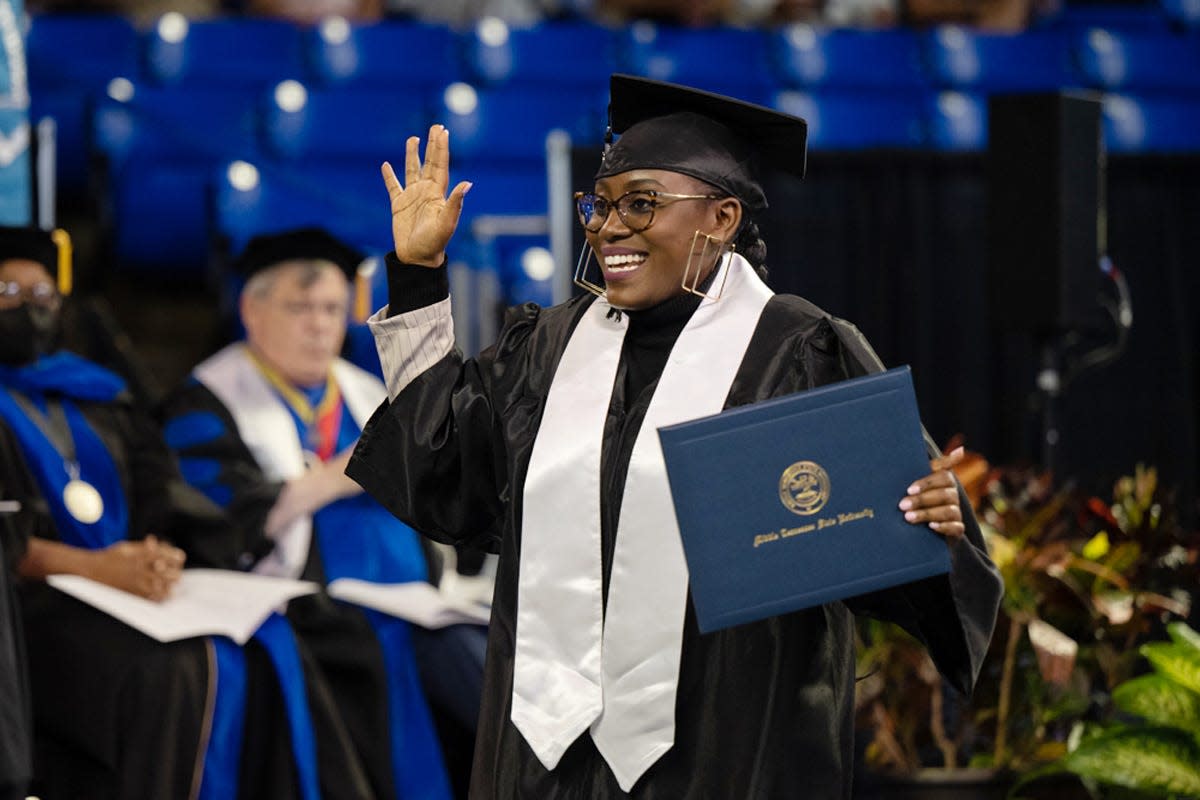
(438, 455)
(216, 463)
(952, 615)
(16, 764)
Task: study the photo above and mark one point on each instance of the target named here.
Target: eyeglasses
(13, 294)
(636, 208)
(304, 308)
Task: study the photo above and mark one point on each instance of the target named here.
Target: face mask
(28, 332)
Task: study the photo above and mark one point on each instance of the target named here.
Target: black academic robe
(16, 760)
(116, 713)
(339, 637)
(763, 710)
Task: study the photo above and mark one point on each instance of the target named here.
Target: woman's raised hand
(423, 216)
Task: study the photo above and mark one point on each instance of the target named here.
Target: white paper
(418, 602)
(204, 602)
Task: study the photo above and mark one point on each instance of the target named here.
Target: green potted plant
(1086, 581)
(1149, 745)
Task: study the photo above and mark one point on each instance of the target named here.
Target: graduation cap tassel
(362, 293)
(62, 241)
(362, 290)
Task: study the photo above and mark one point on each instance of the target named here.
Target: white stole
(576, 665)
(267, 428)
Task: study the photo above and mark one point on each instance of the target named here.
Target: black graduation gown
(16, 760)
(763, 710)
(116, 713)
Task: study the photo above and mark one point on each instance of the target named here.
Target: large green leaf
(1160, 760)
(1179, 662)
(1182, 634)
(1160, 700)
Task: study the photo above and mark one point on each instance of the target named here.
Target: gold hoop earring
(721, 247)
(585, 257)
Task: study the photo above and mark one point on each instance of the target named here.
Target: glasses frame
(9, 298)
(654, 195)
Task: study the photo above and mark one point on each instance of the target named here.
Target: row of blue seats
(72, 60)
(508, 126)
(73, 51)
(316, 151)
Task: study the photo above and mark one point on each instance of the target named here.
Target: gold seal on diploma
(83, 502)
(804, 488)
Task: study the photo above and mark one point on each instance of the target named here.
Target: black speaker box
(1046, 211)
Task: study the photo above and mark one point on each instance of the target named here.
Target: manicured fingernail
(936, 525)
(958, 451)
(467, 189)
(914, 489)
(911, 516)
(905, 504)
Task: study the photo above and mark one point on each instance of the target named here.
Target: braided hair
(749, 243)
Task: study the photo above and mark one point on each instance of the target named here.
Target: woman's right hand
(423, 216)
(148, 568)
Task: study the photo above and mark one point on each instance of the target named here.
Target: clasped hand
(934, 499)
(423, 216)
(148, 567)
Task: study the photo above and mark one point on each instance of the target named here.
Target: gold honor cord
(295, 399)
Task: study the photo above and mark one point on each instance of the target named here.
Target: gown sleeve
(953, 615)
(435, 454)
(216, 464)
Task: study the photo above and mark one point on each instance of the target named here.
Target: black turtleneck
(652, 334)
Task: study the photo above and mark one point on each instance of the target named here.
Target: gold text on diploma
(820, 525)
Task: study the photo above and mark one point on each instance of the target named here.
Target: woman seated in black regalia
(598, 681)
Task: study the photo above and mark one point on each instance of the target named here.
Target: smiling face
(295, 316)
(644, 268)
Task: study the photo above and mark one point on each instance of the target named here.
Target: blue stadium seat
(501, 190)
(707, 58)
(396, 55)
(808, 57)
(160, 146)
(257, 197)
(511, 123)
(1135, 61)
(575, 54)
(1146, 17)
(858, 119)
(363, 124)
(526, 270)
(253, 53)
(1183, 12)
(70, 61)
(956, 121)
(1157, 124)
(962, 58)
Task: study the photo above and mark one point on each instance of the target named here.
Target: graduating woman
(598, 681)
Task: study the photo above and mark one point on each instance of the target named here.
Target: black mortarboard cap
(51, 249)
(265, 251)
(32, 244)
(726, 142)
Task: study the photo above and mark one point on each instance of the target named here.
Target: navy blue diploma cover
(792, 502)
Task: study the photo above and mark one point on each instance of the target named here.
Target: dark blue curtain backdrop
(897, 244)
